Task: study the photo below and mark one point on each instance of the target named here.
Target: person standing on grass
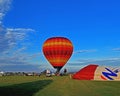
(65, 71)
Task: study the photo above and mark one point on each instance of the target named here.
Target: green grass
(56, 86)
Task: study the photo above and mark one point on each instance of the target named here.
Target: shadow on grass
(24, 89)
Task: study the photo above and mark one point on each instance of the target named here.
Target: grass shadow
(24, 89)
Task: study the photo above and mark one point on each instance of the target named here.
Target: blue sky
(93, 26)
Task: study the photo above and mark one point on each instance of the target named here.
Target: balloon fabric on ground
(96, 72)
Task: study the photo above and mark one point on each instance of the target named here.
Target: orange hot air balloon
(57, 51)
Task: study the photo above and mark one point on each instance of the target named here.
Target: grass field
(56, 86)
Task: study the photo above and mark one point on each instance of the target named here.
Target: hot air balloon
(57, 51)
(96, 72)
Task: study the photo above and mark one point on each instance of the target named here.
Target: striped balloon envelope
(57, 51)
(96, 72)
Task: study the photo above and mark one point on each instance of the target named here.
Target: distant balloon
(57, 51)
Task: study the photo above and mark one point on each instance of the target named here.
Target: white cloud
(35, 55)
(11, 61)
(1, 16)
(116, 49)
(20, 29)
(18, 33)
(9, 37)
(4, 7)
(19, 50)
(20, 62)
(84, 51)
(16, 59)
(102, 62)
(5, 43)
(78, 64)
